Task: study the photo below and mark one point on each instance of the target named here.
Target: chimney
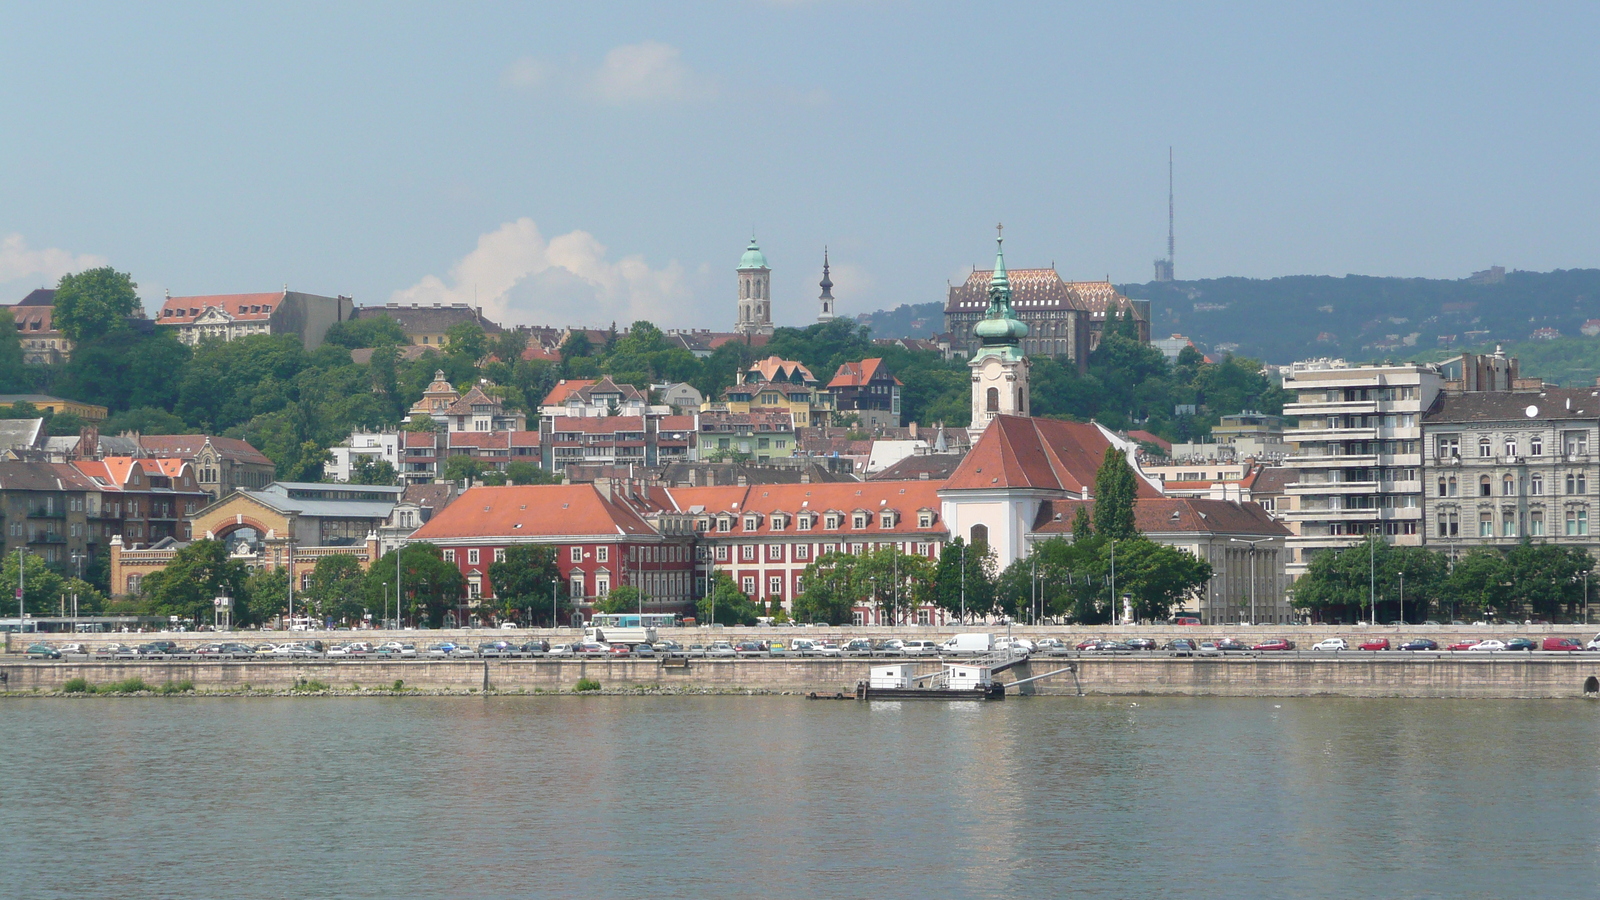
(602, 484)
(741, 481)
(912, 430)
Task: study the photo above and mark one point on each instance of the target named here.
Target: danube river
(680, 797)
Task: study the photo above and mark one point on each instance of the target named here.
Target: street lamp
(963, 582)
(1252, 544)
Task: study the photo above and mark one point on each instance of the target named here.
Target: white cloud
(520, 278)
(44, 267)
(643, 73)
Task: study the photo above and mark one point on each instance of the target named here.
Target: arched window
(979, 535)
(1442, 489)
(1485, 487)
(1508, 486)
(1453, 491)
(1021, 407)
(1484, 450)
(1511, 447)
(992, 400)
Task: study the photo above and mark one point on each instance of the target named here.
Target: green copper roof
(752, 258)
(999, 327)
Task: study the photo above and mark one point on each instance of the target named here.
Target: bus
(628, 628)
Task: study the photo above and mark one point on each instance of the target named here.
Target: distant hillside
(1280, 320)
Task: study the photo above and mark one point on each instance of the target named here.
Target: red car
(1463, 645)
(1275, 644)
(1088, 644)
(1374, 644)
(1552, 643)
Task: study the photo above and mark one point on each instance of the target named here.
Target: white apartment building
(384, 446)
(1358, 454)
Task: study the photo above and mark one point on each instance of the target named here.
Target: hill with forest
(1358, 317)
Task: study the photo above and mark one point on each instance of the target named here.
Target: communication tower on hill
(1164, 266)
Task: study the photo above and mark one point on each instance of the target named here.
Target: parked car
(1488, 646)
(695, 650)
(1521, 643)
(922, 648)
(1232, 644)
(1181, 647)
(43, 651)
(803, 647)
(440, 650)
(1208, 648)
(1561, 644)
(750, 648)
(1375, 643)
(562, 650)
(1275, 644)
(720, 650)
(1420, 644)
(537, 645)
(1141, 643)
(1331, 644)
(496, 649)
(74, 649)
(857, 647)
(829, 648)
(1467, 644)
(400, 649)
(1087, 644)
(668, 648)
(1049, 645)
(1109, 646)
(594, 648)
(643, 650)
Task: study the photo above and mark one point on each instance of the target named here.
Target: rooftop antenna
(1169, 208)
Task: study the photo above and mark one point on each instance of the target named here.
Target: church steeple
(827, 291)
(999, 369)
(755, 292)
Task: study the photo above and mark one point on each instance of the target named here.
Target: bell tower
(826, 315)
(755, 292)
(999, 369)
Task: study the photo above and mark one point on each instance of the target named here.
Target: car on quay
(441, 650)
(1232, 644)
(1208, 649)
(535, 647)
(562, 649)
(1561, 644)
(397, 649)
(1180, 647)
(1275, 645)
(696, 650)
(1489, 646)
(1466, 644)
(74, 649)
(857, 647)
(1375, 643)
(1331, 644)
(1110, 646)
(920, 648)
(594, 648)
(294, 651)
(803, 647)
(720, 650)
(1141, 643)
(643, 650)
(750, 648)
(1522, 643)
(829, 648)
(42, 651)
(1420, 644)
(1087, 644)
(497, 650)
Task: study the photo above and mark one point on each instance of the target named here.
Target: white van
(971, 642)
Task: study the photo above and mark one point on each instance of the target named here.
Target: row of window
(1575, 520)
(1573, 443)
(802, 552)
(1576, 483)
(830, 521)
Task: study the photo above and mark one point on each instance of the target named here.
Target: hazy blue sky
(583, 162)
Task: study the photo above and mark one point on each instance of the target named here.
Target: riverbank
(1420, 676)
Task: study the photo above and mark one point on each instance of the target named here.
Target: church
(755, 293)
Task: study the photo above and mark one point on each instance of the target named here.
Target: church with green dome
(755, 292)
(999, 367)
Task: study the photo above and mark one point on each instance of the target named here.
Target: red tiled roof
(858, 374)
(1045, 454)
(596, 424)
(1167, 515)
(531, 512)
(186, 446)
(240, 306)
(776, 369)
(565, 388)
(906, 498)
(1148, 438)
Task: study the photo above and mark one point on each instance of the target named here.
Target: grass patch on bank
(587, 684)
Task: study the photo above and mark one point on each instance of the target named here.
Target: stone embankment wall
(1497, 676)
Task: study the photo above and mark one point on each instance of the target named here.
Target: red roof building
(228, 317)
(868, 391)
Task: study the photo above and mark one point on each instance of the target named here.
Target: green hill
(1280, 320)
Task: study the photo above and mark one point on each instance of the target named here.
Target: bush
(131, 685)
(78, 685)
(587, 684)
(399, 685)
(181, 687)
(312, 686)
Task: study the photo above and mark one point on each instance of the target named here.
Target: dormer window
(779, 521)
(886, 519)
(925, 519)
(751, 523)
(804, 523)
(725, 524)
(831, 521)
(859, 520)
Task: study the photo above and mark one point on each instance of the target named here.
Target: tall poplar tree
(1115, 487)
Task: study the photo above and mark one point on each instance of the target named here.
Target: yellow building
(60, 406)
(778, 384)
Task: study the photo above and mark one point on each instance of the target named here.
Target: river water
(487, 797)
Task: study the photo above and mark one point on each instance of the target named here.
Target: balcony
(48, 537)
(1332, 461)
(1312, 488)
(1333, 515)
(46, 512)
(1304, 435)
(1338, 407)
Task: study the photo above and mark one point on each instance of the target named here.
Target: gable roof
(1502, 406)
(858, 374)
(1169, 515)
(39, 297)
(903, 497)
(1018, 453)
(529, 512)
(248, 307)
(774, 368)
(186, 446)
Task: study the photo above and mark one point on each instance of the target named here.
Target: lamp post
(555, 611)
(22, 584)
(1253, 579)
(1402, 596)
(963, 582)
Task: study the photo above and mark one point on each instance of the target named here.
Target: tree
(1157, 576)
(368, 331)
(198, 574)
(144, 420)
(43, 587)
(338, 588)
(726, 604)
(420, 425)
(462, 467)
(265, 595)
(466, 340)
(1082, 527)
(621, 599)
(524, 581)
(524, 472)
(367, 469)
(94, 302)
(1115, 489)
(1545, 579)
(1478, 582)
(13, 375)
(430, 587)
(827, 598)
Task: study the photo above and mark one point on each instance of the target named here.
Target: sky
(582, 163)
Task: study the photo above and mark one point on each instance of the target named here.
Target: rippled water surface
(780, 797)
